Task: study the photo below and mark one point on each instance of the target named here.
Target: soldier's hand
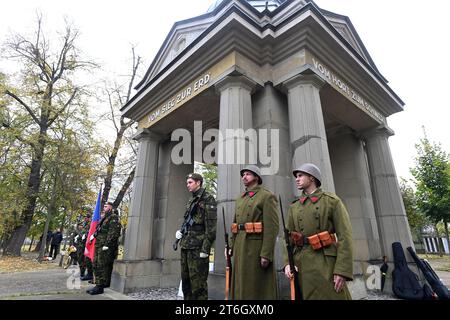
(91, 237)
(339, 282)
(264, 262)
(287, 271)
(204, 255)
(83, 237)
(230, 252)
(178, 235)
(105, 248)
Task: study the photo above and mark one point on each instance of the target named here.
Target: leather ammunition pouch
(197, 227)
(249, 227)
(321, 240)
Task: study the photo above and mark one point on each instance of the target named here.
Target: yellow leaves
(21, 264)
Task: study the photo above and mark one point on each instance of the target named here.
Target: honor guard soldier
(254, 233)
(320, 230)
(107, 236)
(196, 236)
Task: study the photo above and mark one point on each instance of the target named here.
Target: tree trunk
(446, 235)
(439, 241)
(15, 242)
(31, 243)
(38, 245)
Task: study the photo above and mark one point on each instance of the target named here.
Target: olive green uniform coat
(199, 238)
(317, 267)
(249, 279)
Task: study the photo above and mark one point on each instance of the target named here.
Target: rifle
(296, 293)
(228, 267)
(436, 284)
(189, 221)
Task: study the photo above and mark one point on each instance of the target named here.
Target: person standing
(196, 238)
(254, 233)
(321, 232)
(107, 236)
(56, 240)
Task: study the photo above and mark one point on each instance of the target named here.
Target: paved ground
(52, 284)
(57, 283)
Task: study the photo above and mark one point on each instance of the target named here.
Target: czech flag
(90, 246)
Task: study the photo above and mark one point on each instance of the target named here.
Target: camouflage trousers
(194, 275)
(103, 265)
(84, 263)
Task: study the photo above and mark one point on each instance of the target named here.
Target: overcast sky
(407, 39)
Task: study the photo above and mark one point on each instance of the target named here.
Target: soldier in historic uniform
(320, 230)
(107, 236)
(196, 238)
(254, 232)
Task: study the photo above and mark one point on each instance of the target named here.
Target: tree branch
(12, 95)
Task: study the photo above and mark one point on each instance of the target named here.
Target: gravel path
(156, 294)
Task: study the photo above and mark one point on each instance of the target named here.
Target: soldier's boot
(87, 277)
(98, 289)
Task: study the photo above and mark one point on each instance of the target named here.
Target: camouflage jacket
(203, 232)
(108, 231)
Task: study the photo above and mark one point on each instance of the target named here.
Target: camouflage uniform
(107, 234)
(199, 238)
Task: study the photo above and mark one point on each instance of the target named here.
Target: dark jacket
(57, 238)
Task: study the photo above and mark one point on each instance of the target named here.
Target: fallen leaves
(9, 264)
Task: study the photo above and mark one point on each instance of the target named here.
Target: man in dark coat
(57, 238)
(255, 231)
(196, 239)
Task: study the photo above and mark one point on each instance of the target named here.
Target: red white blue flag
(90, 244)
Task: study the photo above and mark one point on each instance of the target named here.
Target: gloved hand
(83, 237)
(204, 255)
(76, 238)
(91, 238)
(178, 234)
(105, 248)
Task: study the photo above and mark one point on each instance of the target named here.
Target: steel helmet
(310, 169)
(253, 169)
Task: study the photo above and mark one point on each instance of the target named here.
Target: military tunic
(107, 235)
(198, 238)
(249, 279)
(322, 211)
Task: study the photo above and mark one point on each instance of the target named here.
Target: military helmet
(195, 176)
(253, 169)
(310, 169)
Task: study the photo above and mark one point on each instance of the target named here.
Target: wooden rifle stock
(295, 285)
(228, 267)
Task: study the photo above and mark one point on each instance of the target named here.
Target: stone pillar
(131, 272)
(390, 211)
(235, 113)
(307, 127)
(138, 238)
(351, 175)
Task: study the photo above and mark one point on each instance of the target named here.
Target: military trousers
(84, 263)
(194, 275)
(103, 265)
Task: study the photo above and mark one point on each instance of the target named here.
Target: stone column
(351, 175)
(307, 127)
(235, 113)
(134, 270)
(390, 211)
(138, 239)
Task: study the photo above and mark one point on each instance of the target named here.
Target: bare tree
(46, 91)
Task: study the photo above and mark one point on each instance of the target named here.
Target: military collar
(252, 191)
(314, 197)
